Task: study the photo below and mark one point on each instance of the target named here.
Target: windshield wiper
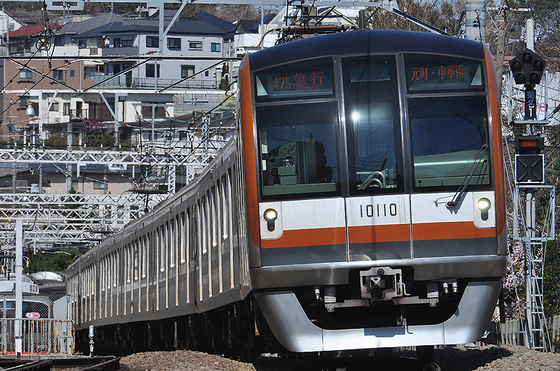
(466, 180)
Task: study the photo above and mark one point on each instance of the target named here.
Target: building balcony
(91, 51)
(123, 81)
(129, 51)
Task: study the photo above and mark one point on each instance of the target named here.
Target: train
(360, 205)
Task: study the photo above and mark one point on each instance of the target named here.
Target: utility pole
(527, 69)
(476, 20)
(19, 289)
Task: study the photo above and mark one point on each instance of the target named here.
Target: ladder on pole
(537, 326)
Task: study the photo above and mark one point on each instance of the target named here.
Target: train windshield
(449, 141)
(448, 118)
(297, 139)
(371, 103)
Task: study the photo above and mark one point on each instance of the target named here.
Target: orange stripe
(308, 237)
(379, 233)
(449, 231)
(496, 141)
(248, 137)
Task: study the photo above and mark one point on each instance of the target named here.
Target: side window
(25, 74)
(195, 45)
(186, 71)
(174, 43)
(152, 69)
(152, 41)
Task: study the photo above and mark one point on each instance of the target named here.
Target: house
(9, 22)
(128, 75)
(64, 43)
(189, 48)
(23, 42)
(253, 35)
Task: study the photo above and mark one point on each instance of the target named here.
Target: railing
(39, 336)
(149, 82)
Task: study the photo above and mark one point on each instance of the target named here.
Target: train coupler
(382, 284)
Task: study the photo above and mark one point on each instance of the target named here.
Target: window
(186, 71)
(216, 47)
(72, 73)
(26, 74)
(152, 41)
(151, 70)
(58, 74)
(126, 43)
(82, 44)
(297, 139)
(174, 43)
(59, 40)
(54, 107)
(98, 185)
(298, 149)
(66, 109)
(449, 141)
(117, 42)
(449, 136)
(195, 45)
(373, 124)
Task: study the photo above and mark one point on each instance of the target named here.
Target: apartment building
(107, 70)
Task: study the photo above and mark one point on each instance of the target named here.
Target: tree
(443, 15)
(51, 261)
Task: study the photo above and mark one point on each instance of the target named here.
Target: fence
(509, 333)
(39, 336)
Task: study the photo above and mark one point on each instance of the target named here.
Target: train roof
(372, 41)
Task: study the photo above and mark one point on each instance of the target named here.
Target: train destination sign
(295, 83)
(443, 73)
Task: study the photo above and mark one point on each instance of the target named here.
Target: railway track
(76, 364)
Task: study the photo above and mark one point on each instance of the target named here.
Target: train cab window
(449, 141)
(298, 149)
(448, 121)
(296, 114)
(371, 105)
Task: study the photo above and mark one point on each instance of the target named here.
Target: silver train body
(360, 205)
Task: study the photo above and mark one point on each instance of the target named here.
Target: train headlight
(270, 215)
(484, 205)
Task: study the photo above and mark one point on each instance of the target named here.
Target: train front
(375, 190)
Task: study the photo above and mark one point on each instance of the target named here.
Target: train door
(377, 207)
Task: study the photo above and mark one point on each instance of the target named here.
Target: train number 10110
(378, 211)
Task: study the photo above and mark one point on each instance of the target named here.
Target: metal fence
(39, 336)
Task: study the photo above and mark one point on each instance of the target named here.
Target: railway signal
(529, 161)
(527, 68)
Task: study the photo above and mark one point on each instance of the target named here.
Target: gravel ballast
(491, 357)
